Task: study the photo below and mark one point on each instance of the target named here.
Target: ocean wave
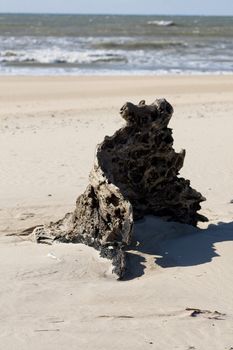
(9, 54)
(56, 56)
(162, 23)
(144, 53)
(138, 45)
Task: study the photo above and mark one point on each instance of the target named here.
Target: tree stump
(135, 173)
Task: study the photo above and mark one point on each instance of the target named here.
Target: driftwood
(135, 173)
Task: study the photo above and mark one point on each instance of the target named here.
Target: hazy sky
(186, 7)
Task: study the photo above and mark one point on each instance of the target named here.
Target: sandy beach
(64, 296)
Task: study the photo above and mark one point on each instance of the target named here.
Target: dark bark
(135, 173)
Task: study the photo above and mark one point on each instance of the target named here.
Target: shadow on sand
(173, 244)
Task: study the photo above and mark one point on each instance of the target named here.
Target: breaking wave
(162, 23)
(56, 56)
(138, 45)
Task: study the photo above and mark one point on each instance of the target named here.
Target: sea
(48, 44)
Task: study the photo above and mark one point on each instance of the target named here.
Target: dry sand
(64, 296)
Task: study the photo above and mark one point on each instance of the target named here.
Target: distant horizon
(110, 14)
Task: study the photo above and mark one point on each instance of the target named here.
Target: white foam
(71, 55)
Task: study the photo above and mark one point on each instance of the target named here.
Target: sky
(153, 7)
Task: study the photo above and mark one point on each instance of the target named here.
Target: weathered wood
(135, 173)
